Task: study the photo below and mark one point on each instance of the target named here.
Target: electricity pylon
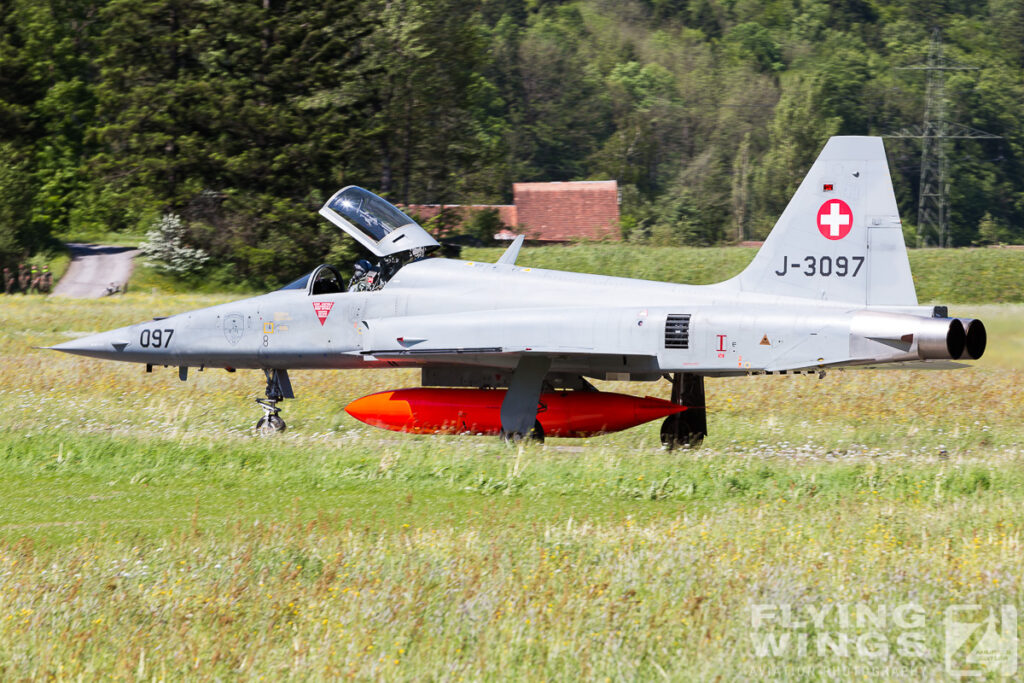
(933, 192)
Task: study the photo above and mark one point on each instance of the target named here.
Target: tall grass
(381, 568)
(146, 532)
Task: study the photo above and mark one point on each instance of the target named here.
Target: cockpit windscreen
(301, 283)
(368, 212)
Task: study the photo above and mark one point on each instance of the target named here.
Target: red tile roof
(555, 212)
(568, 211)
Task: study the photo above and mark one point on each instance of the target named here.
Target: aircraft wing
(912, 365)
(602, 366)
(575, 338)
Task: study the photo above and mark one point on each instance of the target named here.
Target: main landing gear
(279, 387)
(519, 407)
(536, 435)
(688, 428)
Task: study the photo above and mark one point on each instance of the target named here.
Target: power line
(933, 191)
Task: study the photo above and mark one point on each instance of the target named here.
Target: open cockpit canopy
(376, 224)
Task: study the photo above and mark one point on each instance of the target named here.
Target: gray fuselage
(447, 312)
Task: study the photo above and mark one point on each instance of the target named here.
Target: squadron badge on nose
(233, 327)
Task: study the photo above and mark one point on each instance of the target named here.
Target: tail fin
(840, 237)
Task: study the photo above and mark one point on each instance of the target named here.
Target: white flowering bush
(166, 251)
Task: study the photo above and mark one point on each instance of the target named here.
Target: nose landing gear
(271, 422)
(279, 387)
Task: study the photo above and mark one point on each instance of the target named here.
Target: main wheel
(536, 434)
(270, 425)
(678, 432)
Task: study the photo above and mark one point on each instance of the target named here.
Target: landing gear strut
(688, 428)
(279, 387)
(519, 407)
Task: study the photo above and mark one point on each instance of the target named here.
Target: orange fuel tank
(430, 410)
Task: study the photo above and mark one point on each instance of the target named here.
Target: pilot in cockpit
(364, 276)
(368, 276)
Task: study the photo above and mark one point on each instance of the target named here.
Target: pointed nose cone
(649, 408)
(107, 345)
(383, 409)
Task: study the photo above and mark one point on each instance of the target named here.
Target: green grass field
(951, 276)
(146, 533)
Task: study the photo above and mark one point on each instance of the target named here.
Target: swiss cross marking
(322, 310)
(835, 219)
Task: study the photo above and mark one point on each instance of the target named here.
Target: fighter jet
(509, 350)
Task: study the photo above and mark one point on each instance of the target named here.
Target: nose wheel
(279, 387)
(271, 422)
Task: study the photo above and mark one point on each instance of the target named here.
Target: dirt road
(93, 269)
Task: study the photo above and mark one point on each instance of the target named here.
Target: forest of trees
(242, 117)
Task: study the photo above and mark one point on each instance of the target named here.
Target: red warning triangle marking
(764, 341)
(322, 309)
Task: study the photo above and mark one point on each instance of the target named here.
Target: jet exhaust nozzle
(977, 337)
(941, 339)
(910, 337)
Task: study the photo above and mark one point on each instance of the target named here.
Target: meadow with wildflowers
(147, 533)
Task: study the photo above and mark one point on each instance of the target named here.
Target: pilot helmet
(362, 266)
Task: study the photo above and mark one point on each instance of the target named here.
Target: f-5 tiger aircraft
(509, 350)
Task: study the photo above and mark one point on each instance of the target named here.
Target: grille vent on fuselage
(677, 331)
